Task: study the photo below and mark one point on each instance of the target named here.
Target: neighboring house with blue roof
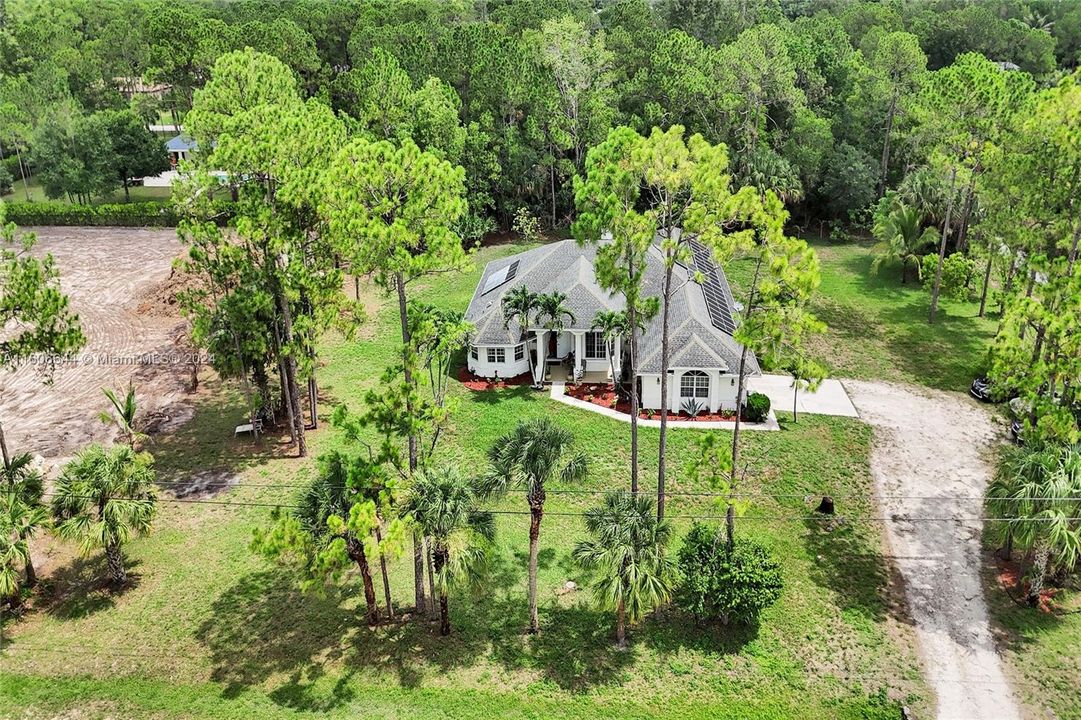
(704, 355)
(179, 147)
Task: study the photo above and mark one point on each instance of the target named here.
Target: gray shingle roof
(567, 267)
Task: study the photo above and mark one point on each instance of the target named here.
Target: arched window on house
(694, 384)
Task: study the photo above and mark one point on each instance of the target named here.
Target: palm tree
(123, 415)
(18, 521)
(103, 498)
(899, 229)
(519, 304)
(444, 505)
(552, 314)
(611, 324)
(1029, 490)
(627, 548)
(535, 452)
(27, 485)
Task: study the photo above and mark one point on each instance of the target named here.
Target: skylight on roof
(499, 277)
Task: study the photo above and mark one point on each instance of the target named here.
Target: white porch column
(541, 367)
(579, 349)
(618, 359)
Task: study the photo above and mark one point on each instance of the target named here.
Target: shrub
(756, 408)
(6, 180)
(143, 214)
(730, 585)
(957, 273)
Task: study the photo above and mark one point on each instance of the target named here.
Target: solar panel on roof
(499, 277)
(720, 313)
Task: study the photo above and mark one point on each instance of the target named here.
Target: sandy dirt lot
(931, 447)
(118, 280)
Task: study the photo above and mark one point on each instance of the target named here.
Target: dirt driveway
(117, 279)
(930, 447)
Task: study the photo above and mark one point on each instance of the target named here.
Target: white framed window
(595, 347)
(694, 384)
(473, 352)
(519, 351)
(497, 355)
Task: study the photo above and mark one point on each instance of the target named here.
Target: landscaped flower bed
(475, 382)
(604, 395)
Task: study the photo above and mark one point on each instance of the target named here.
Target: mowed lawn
(878, 328)
(209, 629)
(138, 193)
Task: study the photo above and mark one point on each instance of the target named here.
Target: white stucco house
(704, 358)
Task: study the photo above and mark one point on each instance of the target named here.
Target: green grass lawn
(210, 630)
(37, 194)
(878, 328)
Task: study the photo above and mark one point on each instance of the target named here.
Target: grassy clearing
(211, 630)
(878, 327)
(37, 194)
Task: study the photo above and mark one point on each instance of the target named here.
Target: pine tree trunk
(730, 526)
(117, 574)
(355, 549)
(418, 546)
(536, 512)
(662, 445)
(743, 372)
(986, 285)
(942, 249)
(884, 168)
(386, 576)
(632, 324)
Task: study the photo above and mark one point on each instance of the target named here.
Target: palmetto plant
(123, 415)
(534, 453)
(26, 484)
(103, 498)
(18, 521)
(444, 505)
(899, 230)
(611, 324)
(520, 305)
(553, 314)
(1029, 489)
(627, 547)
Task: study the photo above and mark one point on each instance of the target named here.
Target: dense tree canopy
(812, 98)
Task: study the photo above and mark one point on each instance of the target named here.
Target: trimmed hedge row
(125, 214)
(137, 214)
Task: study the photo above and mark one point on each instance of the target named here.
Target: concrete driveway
(829, 399)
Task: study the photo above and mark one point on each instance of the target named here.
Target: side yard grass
(208, 629)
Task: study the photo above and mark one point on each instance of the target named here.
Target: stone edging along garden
(559, 395)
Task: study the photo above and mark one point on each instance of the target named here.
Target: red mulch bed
(475, 382)
(604, 395)
(1009, 577)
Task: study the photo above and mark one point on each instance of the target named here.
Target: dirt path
(932, 445)
(113, 276)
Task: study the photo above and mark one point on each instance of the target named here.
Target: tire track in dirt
(106, 271)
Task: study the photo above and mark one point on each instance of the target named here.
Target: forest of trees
(815, 99)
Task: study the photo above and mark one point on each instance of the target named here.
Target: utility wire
(226, 485)
(564, 513)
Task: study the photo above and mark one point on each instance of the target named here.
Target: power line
(226, 485)
(564, 513)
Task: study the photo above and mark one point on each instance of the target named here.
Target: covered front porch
(575, 356)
